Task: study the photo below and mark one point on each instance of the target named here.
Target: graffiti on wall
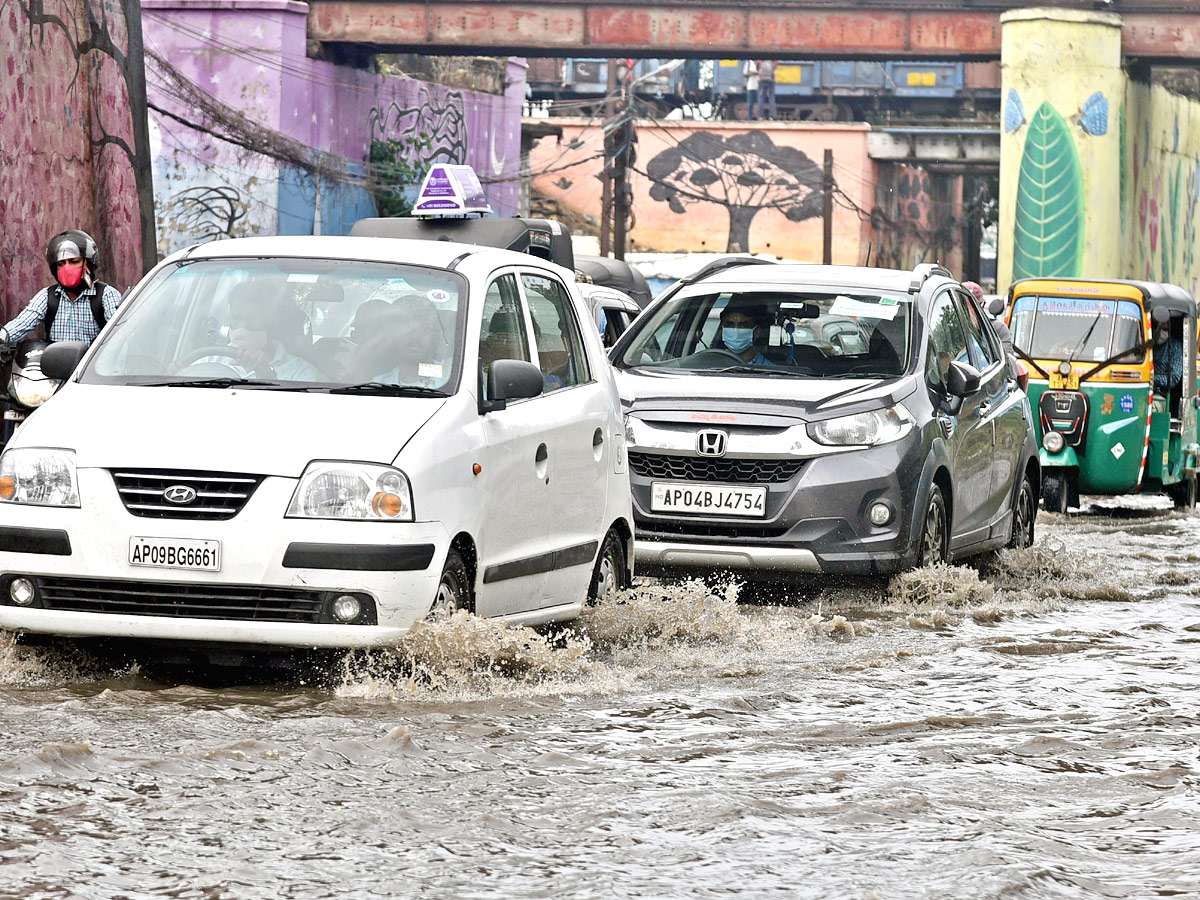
(69, 143)
(744, 173)
(208, 212)
(405, 140)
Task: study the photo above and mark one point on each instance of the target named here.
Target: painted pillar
(1060, 188)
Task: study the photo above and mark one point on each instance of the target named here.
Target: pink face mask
(70, 277)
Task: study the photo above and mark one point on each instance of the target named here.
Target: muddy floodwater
(1027, 728)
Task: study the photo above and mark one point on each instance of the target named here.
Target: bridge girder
(1164, 31)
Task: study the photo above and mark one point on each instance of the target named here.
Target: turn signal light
(8, 487)
(1125, 374)
(387, 505)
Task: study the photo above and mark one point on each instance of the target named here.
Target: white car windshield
(813, 334)
(288, 323)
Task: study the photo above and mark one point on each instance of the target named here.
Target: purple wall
(66, 142)
(250, 56)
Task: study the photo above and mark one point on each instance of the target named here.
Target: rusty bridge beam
(799, 27)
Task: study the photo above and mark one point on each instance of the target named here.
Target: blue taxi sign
(451, 190)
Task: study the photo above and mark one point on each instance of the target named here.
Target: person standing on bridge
(750, 74)
(766, 89)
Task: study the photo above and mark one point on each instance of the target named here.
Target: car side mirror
(995, 307)
(962, 380)
(511, 379)
(1160, 325)
(60, 359)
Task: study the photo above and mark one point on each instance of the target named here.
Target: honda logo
(712, 443)
(179, 494)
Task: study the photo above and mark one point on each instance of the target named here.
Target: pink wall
(679, 164)
(66, 139)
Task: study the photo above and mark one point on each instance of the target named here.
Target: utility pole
(624, 143)
(828, 186)
(606, 181)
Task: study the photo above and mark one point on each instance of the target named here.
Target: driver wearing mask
(743, 332)
(253, 325)
(76, 306)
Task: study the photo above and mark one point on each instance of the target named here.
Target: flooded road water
(1031, 733)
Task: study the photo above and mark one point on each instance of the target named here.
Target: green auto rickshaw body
(1092, 348)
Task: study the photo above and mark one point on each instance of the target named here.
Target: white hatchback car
(316, 442)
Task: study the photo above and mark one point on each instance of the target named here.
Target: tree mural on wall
(744, 173)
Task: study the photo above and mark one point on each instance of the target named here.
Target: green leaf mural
(1049, 223)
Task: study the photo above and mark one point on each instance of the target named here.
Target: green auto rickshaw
(1113, 384)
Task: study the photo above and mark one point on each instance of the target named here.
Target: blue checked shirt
(74, 321)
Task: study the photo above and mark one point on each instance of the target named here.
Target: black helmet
(66, 244)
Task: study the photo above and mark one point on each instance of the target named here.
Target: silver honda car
(785, 419)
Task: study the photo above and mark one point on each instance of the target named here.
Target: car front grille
(215, 495)
(727, 470)
(199, 601)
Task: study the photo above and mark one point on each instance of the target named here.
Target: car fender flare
(938, 455)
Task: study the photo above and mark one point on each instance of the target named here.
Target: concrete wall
(249, 56)
(66, 141)
(1100, 174)
(717, 186)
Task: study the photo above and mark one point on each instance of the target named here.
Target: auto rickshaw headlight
(1053, 442)
(1064, 368)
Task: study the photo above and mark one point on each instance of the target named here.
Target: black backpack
(97, 304)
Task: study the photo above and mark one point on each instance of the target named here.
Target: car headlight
(32, 392)
(346, 490)
(39, 476)
(868, 429)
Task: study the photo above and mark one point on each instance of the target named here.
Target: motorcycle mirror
(1160, 325)
(60, 359)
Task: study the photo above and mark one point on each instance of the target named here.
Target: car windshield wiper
(753, 370)
(394, 390)
(212, 383)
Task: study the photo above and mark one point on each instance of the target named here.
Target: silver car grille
(196, 495)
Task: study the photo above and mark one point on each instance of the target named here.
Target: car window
(561, 356)
(502, 334)
(980, 341)
(777, 331)
(322, 322)
(947, 340)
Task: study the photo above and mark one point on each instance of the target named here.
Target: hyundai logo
(712, 443)
(179, 494)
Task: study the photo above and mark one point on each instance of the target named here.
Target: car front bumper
(816, 523)
(84, 555)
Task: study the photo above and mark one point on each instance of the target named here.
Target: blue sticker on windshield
(1127, 403)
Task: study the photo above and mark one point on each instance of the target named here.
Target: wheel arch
(622, 527)
(465, 545)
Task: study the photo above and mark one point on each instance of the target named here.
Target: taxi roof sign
(451, 190)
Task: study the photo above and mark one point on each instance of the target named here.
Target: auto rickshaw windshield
(1075, 328)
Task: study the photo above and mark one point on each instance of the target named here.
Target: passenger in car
(744, 330)
(402, 344)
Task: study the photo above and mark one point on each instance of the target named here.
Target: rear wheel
(1024, 515)
(935, 538)
(1055, 492)
(1183, 494)
(609, 572)
(454, 588)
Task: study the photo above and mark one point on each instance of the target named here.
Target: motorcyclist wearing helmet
(76, 306)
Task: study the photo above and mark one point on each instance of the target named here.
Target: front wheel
(609, 573)
(1183, 494)
(1055, 493)
(1024, 515)
(454, 588)
(935, 539)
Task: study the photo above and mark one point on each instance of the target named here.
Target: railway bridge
(1152, 31)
